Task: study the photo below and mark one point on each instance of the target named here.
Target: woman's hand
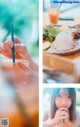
(61, 114)
(25, 66)
(20, 52)
(20, 49)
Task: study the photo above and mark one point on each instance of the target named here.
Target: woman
(20, 53)
(63, 109)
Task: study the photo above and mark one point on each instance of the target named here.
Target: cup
(8, 65)
(54, 15)
(18, 92)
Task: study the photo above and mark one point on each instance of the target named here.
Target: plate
(74, 49)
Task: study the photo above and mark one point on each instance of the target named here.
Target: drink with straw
(54, 13)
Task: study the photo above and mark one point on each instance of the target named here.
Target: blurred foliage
(78, 97)
(21, 12)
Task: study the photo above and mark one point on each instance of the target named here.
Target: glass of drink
(8, 65)
(19, 92)
(54, 15)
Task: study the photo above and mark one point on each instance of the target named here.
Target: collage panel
(61, 41)
(19, 63)
(61, 107)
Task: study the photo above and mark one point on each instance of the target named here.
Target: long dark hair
(72, 109)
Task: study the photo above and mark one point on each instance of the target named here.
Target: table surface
(46, 20)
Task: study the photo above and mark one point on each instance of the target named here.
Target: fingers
(24, 65)
(9, 44)
(62, 112)
(63, 117)
(22, 51)
(16, 40)
(18, 47)
(21, 48)
(7, 49)
(1, 49)
(63, 109)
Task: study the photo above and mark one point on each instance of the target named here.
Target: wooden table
(74, 59)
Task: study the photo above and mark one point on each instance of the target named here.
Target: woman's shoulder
(77, 118)
(77, 114)
(46, 116)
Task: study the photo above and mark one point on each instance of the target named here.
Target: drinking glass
(54, 15)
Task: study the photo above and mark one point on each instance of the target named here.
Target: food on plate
(46, 45)
(64, 28)
(50, 32)
(63, 41)
(76, 34)
(60, 38)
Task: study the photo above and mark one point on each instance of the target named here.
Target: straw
(13, 49)
(63, 120)
(61, 4)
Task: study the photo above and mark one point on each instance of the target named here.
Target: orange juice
(8, 65)
(67, 124)
(54, 15)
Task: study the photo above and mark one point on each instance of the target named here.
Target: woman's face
(63, 99)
